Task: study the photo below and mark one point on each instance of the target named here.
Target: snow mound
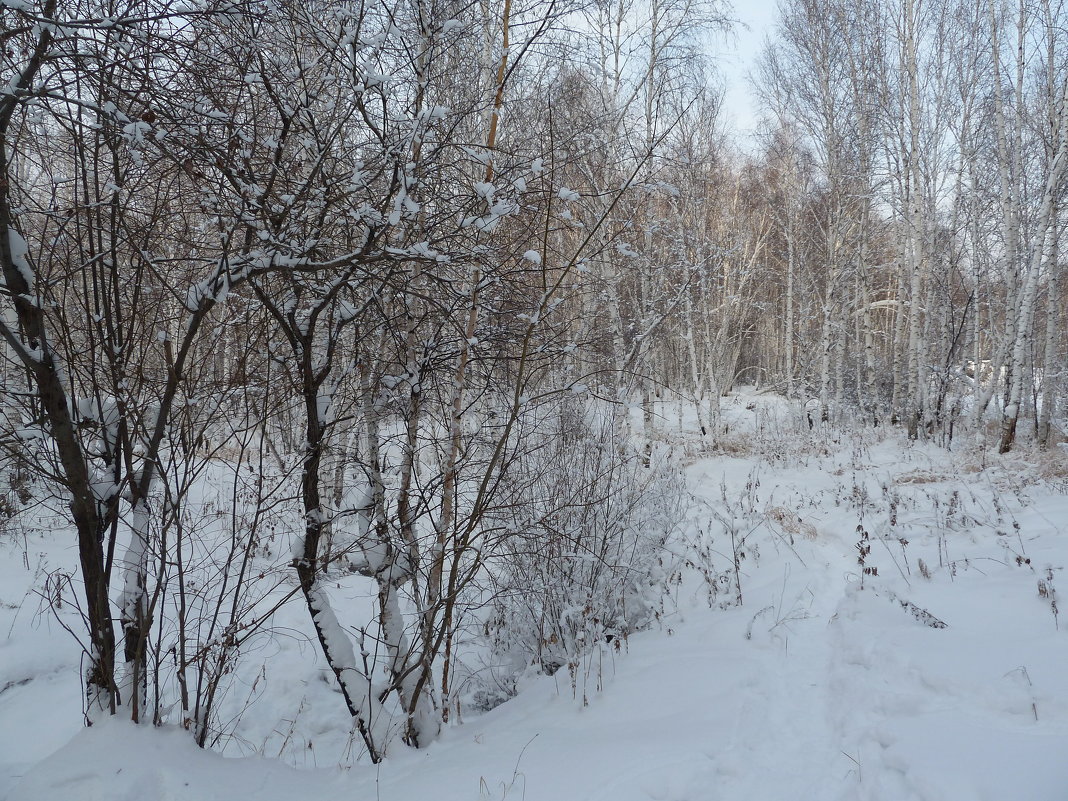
(120, 761)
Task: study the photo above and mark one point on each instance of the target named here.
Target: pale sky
(737, 56)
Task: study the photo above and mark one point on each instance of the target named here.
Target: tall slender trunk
(1044, 251)
(1052, 369)
(916, 253)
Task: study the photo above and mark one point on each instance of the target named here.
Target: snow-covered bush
(585, 561)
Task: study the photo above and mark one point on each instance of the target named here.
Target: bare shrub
(585, 563)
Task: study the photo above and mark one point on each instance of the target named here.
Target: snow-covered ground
(940, 674)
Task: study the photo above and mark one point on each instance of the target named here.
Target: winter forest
(419, 399)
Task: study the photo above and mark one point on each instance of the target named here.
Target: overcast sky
(738, 56)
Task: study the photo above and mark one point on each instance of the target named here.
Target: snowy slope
(816, 687)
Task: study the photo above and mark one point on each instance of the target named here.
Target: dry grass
(737, 445)
(1053, 464)
(790, 523)
(921, 477)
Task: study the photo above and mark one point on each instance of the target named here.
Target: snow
(216, 288)
(20, 250)
(820, 686)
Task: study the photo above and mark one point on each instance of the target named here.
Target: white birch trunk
(1044, 250)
